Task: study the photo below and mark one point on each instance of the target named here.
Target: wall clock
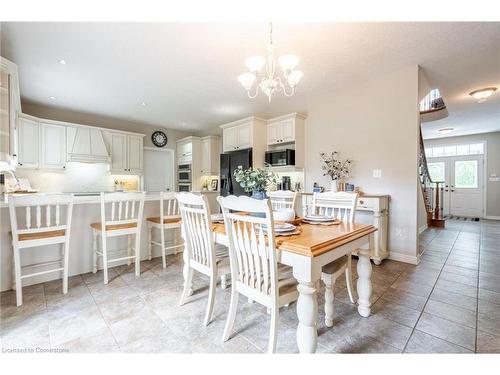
(159, 138)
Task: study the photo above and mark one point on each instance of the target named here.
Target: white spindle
(58, 214)
(126, 210)
(132, 215)
(120, 204)
(38, 216)
(47, 216)
(28, 217)
(112, 211)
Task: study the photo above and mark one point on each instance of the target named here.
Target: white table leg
(307, 312)
(364, 284)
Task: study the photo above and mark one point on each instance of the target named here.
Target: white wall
(376, 124)
(492, 165)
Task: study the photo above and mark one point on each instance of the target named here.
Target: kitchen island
(86, 210)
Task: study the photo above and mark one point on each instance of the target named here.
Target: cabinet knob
(20, 163)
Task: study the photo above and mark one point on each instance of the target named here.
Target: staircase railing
(433, 191)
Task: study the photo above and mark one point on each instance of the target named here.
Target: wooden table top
(315, 240)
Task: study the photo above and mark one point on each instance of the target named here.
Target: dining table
(306, 252)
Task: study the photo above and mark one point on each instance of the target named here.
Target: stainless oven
(184, 173)
(184, 187)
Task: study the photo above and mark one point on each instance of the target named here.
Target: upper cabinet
(237, 137)
(126, 153)
(10, 106)
(210, 150)
(28, 133)
(53, 146)
(288, 132)
(185, 151)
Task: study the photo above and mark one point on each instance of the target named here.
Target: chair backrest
(40, 213)
(197, 228)
(341, 205)
(283, 199)
(169, 206)
(252, 250)
(122, 208)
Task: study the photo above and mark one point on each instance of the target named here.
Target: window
(466, 174)
(476, 148)
(463, 150)
(454, 150)
(450, 151)
(437, 152)
(428, 152)
(436, 170)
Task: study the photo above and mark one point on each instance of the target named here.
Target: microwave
(279, 158)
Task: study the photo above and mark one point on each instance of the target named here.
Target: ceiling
(186, 73)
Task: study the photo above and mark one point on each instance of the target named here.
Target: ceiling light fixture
(446, 130)
(52, 97)
(61, 61)
(482, 95)
(268, 81)
(143, 104)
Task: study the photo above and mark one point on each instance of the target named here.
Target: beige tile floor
(449, 303)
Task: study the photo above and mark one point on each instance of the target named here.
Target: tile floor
(449, 303)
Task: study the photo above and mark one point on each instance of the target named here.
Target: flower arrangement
(255, 180)
(334, 167)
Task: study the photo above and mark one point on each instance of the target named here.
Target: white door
(288, 130)
(466, 186)
(135, 150)
(27, 138)
(273, 133)
(463, 187)
(53, 142)
(158, 170)
(229, 139)
(244, 136)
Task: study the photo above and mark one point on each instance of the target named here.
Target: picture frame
(214, 184)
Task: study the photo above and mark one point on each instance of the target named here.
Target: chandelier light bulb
(288, 62)
(294, 77)
(255, 63)
(247, 80)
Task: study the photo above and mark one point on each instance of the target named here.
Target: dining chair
(121, 215)
(283, 199)
(342, 206)
(254, 270)
(201, 252)
(169, 219)
(47, 221)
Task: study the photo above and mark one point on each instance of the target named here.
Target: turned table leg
(307, 312)
(364, 284)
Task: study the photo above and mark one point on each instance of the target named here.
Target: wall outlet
(377, 173)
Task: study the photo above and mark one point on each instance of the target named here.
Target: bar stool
(169, 218)
(57, 217)
(125, 212)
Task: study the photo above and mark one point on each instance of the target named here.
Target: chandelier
(268, 80)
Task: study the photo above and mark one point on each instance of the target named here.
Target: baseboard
(422, 228)
(404, 258)
(492, 217)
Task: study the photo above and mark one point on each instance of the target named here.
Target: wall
(492, 165)
(376, 124)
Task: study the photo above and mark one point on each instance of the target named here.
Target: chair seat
(167, 220)
(41, 235)
(98, 226)
(335, 266)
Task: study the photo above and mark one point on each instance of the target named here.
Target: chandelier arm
(255, 94)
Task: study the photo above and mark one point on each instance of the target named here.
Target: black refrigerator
(228, 163)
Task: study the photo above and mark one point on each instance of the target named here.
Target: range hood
(86, 145)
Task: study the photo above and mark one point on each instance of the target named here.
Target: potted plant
(334, 167)
(256, 180)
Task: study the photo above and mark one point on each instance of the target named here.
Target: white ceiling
(187, 72)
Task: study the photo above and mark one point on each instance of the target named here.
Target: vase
(260, 195)
(334, 187)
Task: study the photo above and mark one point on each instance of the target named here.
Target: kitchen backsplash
(78, 177)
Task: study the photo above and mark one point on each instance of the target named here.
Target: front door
(463, 184)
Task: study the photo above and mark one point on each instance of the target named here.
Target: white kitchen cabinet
(52, 146)
(135, 154)
(210, 150)
(28, 154)
(10, 106)
(185, 151)
(281, 131)
(126, 153)
(238, 137)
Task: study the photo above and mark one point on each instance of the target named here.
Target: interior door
(158, 170)
(466, 186)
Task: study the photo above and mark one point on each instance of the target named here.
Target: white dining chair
(202, 254)
(283, 199)
(47, 221)
(121, 215)
(169, 219)
(342, 206)
(254, 270)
